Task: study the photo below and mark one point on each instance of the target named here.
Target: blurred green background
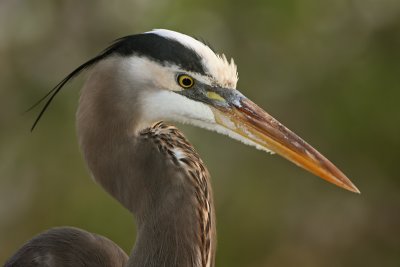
(329, 70)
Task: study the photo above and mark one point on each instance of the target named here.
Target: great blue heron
(149, 166)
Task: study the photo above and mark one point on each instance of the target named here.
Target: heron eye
(185, 81)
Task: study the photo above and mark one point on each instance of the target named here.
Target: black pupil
(186, 82)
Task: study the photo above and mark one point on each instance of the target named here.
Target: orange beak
(257, 126)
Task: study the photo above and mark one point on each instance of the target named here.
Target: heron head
(187, 82)
(175, 77)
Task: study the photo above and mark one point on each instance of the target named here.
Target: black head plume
(114, 47)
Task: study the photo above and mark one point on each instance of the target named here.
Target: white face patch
(148, 74)
(167, 105)
(223, 71)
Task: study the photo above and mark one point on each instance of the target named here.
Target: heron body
(148, 165)
(68, 246)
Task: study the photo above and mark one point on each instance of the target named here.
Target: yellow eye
(185, 81)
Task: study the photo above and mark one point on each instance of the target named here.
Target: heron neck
(160, 194)
(172, 229)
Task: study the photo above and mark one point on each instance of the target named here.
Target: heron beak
(245, 118)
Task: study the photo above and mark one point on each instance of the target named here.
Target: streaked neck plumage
(150, 169)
